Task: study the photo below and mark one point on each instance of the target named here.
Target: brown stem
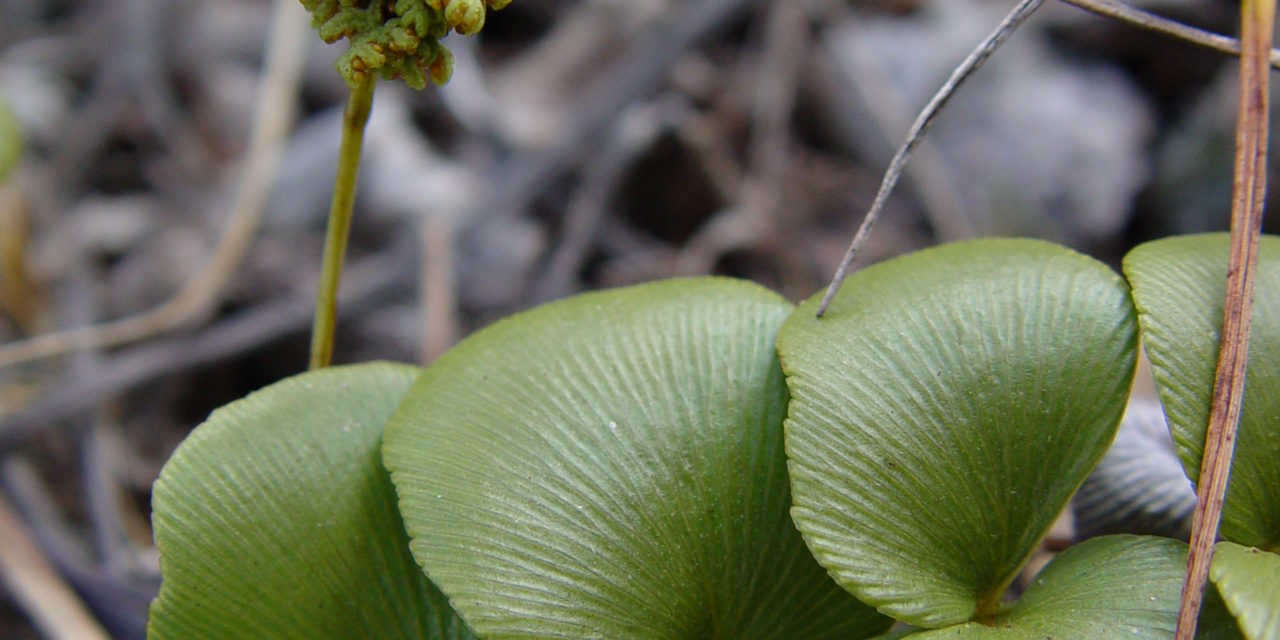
(1250, 188)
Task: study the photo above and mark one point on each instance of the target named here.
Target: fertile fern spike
(397, 38)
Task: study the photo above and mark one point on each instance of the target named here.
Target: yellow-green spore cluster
(397, 38)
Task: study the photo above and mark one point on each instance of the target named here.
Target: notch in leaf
(942, 413)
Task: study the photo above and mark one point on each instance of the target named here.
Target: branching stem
(354, 118)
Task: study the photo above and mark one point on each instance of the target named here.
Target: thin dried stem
(54, 607)
(1258, 17)
(438, 288)
(1138, 18)
(971, 64)
(1107, 8)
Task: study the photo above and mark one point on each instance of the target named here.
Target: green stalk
(354, 118)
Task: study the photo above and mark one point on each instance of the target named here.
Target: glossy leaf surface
(276, 519)
(1178, 286)
(1248, 580)
(944, 410)
(611, 466)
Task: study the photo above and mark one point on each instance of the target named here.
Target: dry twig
(873, 97)
(750, 220)
(641, 67)
(634, 133)
(1007, 27)
(276, 106)
(1250, 190)
(1137, 17)
(437, 288)
(365, 283)
(1012, 22)
(53, 606)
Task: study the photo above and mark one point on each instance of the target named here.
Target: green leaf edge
(905, 264)
(478, 342)
(166, 617)
(1248, 579)
(1240, 524)
(1032, 617)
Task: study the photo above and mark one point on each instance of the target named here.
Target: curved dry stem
(1107, 8)
(971, 64)
(277, 102)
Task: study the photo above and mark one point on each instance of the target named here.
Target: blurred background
(581, 144)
